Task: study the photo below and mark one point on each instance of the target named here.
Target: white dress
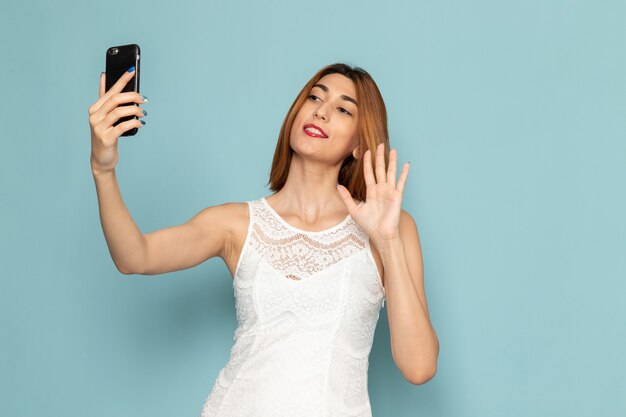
(307, 305)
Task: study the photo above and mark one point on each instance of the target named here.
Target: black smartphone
(118, 60)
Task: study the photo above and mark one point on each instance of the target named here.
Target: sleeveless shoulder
(248, 228)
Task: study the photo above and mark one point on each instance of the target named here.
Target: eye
(340, 108)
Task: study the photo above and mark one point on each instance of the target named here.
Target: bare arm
(127, 245)
(179, 247)
(204, 236)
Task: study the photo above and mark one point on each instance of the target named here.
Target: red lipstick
(313, 133)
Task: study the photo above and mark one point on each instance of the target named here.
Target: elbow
(426, 370)
(421, 375)
(125, 271)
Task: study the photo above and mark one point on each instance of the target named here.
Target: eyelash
(347, 112)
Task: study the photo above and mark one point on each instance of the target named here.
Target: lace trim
(300, 254)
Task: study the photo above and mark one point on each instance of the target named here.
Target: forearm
(414, 341)
(125, 241)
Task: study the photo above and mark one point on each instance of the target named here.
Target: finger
(368, 171)
(127, 125)
(115, 101)
(102, 83)
(403, 176)
(347, 199)
(380, 163)
(391, 172)
(121, 82)
(119, 112)
(116, 88)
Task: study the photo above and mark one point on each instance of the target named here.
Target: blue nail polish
(131, 69)
(142, 122)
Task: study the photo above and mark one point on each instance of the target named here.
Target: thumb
(347, 199)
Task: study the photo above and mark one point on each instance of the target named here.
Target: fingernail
(143, 122)
(145, 99)
(145, 113)
(102, 73)
(131, 69)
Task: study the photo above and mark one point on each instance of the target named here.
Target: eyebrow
(347, 98)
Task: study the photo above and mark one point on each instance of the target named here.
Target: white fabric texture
(307, 306)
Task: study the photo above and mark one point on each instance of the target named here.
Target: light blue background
(511, 113)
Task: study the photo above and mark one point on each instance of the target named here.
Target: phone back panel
(118, 60)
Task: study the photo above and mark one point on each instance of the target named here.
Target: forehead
(338, 84)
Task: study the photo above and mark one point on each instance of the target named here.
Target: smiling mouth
(313, 132)
(313, 135)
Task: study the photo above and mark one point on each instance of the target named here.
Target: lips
(324, 135)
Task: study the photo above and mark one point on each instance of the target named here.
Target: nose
(319, 114)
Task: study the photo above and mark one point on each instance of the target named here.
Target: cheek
(297, 121)
(350, 130)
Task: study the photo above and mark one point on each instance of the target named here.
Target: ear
(356, 154)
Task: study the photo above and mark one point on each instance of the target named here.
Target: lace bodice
(307, 305)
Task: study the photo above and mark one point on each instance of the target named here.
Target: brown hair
(371, 127)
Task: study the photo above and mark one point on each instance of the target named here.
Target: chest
(238, 238)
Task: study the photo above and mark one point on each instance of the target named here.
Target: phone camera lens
(113, 51)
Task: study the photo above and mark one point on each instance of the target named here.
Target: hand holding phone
(115, 113)
(118, 60)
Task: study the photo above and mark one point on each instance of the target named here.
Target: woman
(312, 263)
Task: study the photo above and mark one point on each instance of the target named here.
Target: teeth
(314, 130)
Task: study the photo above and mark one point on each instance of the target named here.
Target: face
(330, 106)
